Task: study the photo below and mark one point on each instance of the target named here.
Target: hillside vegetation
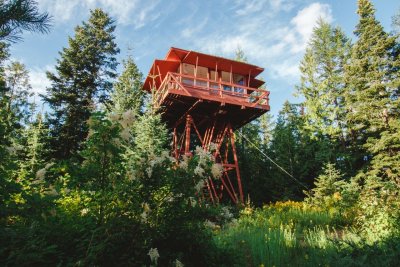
(89, 180)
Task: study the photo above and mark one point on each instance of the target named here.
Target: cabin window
(213, 75)
(226, 77)
(188, 69)
(202, 73)
(239, 80)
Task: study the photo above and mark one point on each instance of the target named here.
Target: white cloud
(287, 69)
(246, 7)
(38, 79)
(304, 22)
(249, 6)
(127, 12)
(265, 40)
(147, 14)
(188, 32)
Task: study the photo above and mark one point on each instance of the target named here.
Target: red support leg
(222, 135)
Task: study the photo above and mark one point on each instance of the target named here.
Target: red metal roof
(175, 56)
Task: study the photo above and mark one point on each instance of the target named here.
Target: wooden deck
(209, 101)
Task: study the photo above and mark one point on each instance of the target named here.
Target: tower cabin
(203, 99)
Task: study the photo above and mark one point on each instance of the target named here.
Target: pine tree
(296, 152)
(82, 81)
(19, 91)
(7, 165)
(18, 15)
(36, 136)
(128, 93)
(266, 129)
(327, 184)
(150, 134)
(323, 85)
(372, 97)
(396, 23)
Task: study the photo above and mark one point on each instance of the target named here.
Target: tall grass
(288, 234)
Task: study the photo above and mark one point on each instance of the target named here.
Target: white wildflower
(204, 155)
(149, 171)
(127, 118)
(51, 191)
(217, 170)
(90, 122)
(199, 171)
(153, 253)
(193, 201)
(212, 147)
(130, 175)
(116, 142)
(12, 150)
(90, 133)
(143, 217)
(184, 164)
(114, 117)
(146, 207)
(125, 134)
(178, 263)
(199, 150)
(199, 185)
(210, 224)
(40, 174)
(164, 154)
(226, 213)
(84, 211)
(48, 165)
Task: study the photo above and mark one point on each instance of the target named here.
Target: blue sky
(272, 33)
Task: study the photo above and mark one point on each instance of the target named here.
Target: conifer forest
(87, 177)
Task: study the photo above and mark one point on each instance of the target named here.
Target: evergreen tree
(128, 93)
(82, 80)
(266, 129)
(396, 23)
(35, 136)
(19, 15)
(327, 184)
(19, 91)
(7, 165)
(372, 97)
(322, 86)
(150, 134)
(296, 152)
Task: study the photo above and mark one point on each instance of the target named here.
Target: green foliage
(19, 15)
(334, 194)
(289, 147)
(294, 234)
(110, 194)
(83, 79)
(128, 93)
(323, 86)
(374, 119)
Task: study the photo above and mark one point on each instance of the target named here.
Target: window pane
(188, 69)
(225, 76)
(238, 79)
(213, 75)
(202, 72)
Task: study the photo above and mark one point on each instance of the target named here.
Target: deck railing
(223, 90)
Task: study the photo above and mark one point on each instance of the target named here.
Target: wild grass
(293, 234)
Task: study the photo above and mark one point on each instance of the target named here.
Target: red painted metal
(209, 105)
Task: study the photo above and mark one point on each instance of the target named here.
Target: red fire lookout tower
(203, 100)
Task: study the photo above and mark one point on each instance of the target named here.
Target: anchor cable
(276, 164)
